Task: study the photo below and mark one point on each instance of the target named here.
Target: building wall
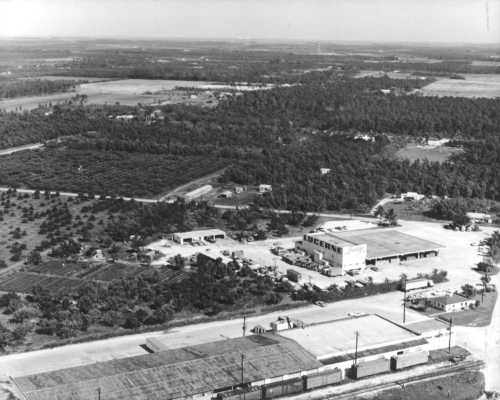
(346, 257)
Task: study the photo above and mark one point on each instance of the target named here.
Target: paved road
(12, 150)
(219, 206)
(119, 347)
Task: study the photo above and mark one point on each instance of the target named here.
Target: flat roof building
(340, 253)
(451, 303)
(355, 249)
(333, 338)
(198, 236)
(189, 372)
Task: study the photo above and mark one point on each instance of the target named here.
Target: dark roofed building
(173, 374)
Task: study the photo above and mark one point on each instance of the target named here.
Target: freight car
(406, 360)
(321, 379)
(283, 388)
(241, 394)
(367, 368)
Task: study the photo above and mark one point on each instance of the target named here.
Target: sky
(460, 21)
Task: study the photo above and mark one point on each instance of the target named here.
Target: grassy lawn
(478, 317)
(468, 385)
(411, 210)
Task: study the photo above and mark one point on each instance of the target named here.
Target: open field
(131, 92)
(413, 152)
(474, 85)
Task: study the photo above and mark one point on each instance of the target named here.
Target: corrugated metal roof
(173, 373)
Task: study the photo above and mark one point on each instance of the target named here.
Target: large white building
(350, 250)
(337, 252)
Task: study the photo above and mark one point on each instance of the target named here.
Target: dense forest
(33, 87)
(281, 136)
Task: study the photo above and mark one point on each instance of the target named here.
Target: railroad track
(439, 372)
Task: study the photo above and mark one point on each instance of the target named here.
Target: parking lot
(457, 256)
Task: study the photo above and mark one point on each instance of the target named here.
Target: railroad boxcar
(253, 394)
(284, 388)
(321, 379)
(406, 360)
(372, 367)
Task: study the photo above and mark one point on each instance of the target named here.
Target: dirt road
(12, 150)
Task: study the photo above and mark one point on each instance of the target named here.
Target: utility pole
(242, 368)
(98, 393)
(404, 302)
(449, 336)
(244, 325)
(356, 349)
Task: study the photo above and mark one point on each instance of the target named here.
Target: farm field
(23, 282)
(474, 85)
(56, 277)
(130, 92)
(122, 173)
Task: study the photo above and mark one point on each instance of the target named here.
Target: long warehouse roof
(387, 242)
(174, 373)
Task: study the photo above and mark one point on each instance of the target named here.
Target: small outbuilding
(451, 303)
(265, 188)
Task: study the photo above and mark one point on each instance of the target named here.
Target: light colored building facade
(451, 303)
(337, 252)
(198, 236)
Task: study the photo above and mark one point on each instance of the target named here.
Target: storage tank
(373, 367)
(410, 359)
(321, 379)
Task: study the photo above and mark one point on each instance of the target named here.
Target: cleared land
(413, 152)
(131, 92)
(390, 74)
(474, 85)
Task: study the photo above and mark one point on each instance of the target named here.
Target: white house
(480, 218)
(265, 188)
(325, 171)
(451, 303)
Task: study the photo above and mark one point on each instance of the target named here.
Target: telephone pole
(242, 368)
(244, 325)
(449, 336)
(404, 302)
(98, 393)
(356, 349)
